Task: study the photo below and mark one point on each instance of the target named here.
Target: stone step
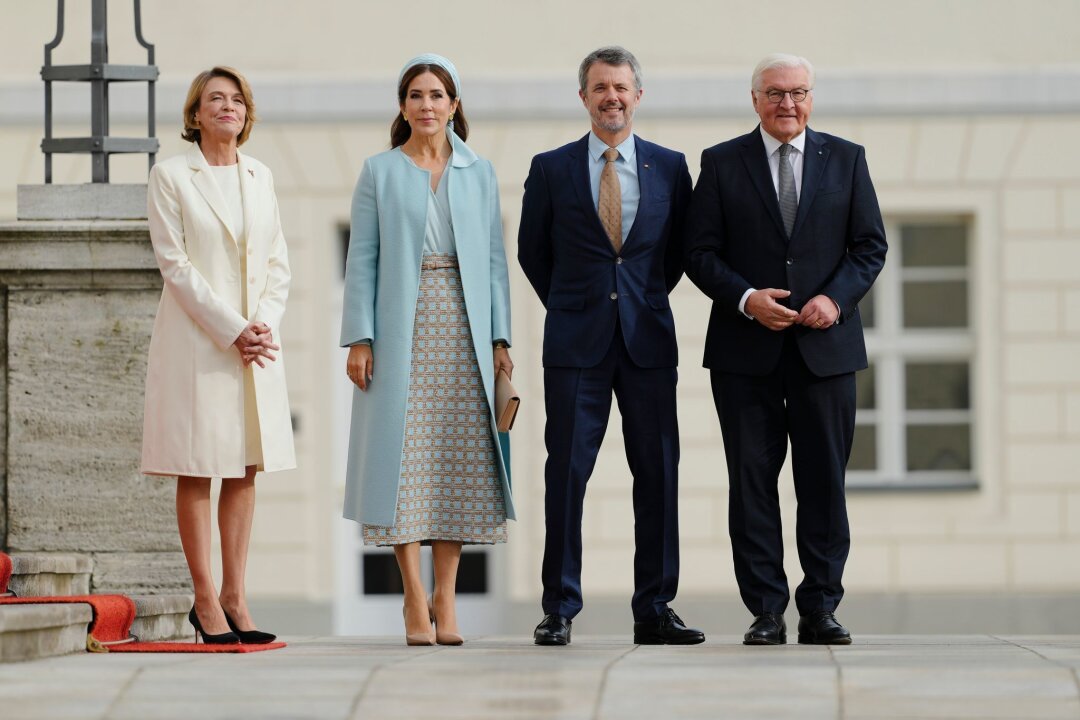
(50, 574)
(28, 632)
(162, 617)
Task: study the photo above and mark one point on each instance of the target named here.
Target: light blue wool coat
(382, 280)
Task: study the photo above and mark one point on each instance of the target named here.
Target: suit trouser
(757, 416)
(578, 404)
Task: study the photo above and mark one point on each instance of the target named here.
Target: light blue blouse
(439, 236)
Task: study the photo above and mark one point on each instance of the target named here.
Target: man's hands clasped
(819, 313)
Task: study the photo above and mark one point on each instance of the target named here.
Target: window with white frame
(914, 419)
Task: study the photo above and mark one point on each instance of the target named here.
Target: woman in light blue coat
(427, 321)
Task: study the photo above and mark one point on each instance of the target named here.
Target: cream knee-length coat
(194, 414)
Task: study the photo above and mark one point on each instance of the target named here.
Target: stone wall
(79, 300)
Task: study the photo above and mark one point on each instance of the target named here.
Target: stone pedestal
(78, 300)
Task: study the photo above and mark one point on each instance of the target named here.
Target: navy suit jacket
(585, 286)
(736, 240)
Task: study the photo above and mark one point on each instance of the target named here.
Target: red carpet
(110, 630)
(5, 572)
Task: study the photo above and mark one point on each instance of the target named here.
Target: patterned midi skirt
(449, 487)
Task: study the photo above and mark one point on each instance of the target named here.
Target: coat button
(618, 261)
(791, 261)
(251, 279)
(613, 296)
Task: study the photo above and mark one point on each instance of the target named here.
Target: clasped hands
(820, 313)
(256, 343)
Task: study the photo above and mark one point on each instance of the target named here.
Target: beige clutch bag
(507, 403)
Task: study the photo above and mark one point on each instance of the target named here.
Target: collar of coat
(463, 155)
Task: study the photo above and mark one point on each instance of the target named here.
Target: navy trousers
(578, 402)
(757, 416)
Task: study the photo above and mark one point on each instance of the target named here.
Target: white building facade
(964, 493)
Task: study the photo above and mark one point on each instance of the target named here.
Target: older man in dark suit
(601, 224)
(785, 236)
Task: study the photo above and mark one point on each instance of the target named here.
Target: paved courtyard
(969, 676)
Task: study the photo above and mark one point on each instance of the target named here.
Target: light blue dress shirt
(626, 168)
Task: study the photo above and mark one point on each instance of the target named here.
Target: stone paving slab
(603, 678)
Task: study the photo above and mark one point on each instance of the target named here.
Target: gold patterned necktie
(610, 208)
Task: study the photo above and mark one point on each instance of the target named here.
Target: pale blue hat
(433, 59)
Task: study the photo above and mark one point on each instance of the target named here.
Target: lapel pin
(645, 165)
(252, 172)
(818, 152)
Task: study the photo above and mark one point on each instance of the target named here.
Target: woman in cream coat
(216, 403)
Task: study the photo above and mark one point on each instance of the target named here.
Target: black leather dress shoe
(552, 630)
(668, 629)
(822, 628)
(767, 629)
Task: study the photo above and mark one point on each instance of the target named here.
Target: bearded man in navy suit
(600, 241)
(785, 236)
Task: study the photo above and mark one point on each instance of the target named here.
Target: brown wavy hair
(194, 97)
(400, 131)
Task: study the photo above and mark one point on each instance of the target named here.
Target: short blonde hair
(194, 97)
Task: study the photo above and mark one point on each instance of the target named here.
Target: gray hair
(776, 61)
(610, 55)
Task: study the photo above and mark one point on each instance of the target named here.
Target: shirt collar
(626, 148)
(772, 144)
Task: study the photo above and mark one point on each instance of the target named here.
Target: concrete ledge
(41, 562)
(141, 573)
(162, 617)
(50, 574)
(89, 201)
(15, 618)
(77, 245)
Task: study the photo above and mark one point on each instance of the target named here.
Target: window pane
(864, 448)
(937, 386)
(934, 245)
(864, 389)
(866, 309)
(473, 572)
(935, 304)
(939, 447)
(379, 574)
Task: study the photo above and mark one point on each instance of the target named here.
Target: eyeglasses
(777, 96)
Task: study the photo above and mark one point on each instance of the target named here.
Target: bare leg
(236, 507)
(446, 556)
(416, 613)
(193, 521)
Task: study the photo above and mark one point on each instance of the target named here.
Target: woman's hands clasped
(360, 366)
(256, 344)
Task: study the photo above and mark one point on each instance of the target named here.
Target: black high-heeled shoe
(249, 637)
(226, 638)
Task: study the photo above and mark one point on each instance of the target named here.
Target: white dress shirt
(772, 153)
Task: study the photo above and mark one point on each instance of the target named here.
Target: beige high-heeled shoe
(424, 638)
(442, 638)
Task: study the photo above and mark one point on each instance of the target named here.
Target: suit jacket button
(613, 296)
(791, 261)
(618, 261)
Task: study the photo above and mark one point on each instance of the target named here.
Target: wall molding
(304, 100)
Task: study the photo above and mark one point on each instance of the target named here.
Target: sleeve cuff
(742, 302)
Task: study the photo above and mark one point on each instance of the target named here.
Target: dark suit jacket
(736, 240)
(565, 253)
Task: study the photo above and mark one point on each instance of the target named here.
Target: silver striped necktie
(789, 201)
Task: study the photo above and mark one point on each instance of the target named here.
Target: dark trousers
(578, 404)
(757, 416)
